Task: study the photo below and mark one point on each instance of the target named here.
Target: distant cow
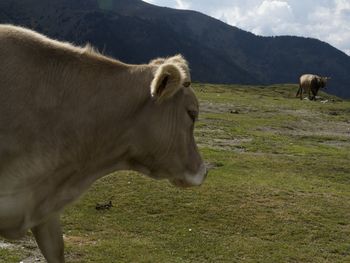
(310, 84)
(69, 116)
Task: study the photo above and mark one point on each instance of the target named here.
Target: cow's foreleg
(48, 236)
(314, 93)
(301, 92)
(309, 94)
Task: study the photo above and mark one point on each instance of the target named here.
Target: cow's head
(323, 82)
(165, 147)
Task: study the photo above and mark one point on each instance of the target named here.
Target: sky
(327, 20)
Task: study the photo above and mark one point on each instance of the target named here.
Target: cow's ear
(167, 81)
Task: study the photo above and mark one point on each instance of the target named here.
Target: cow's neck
(103, 141)
(94, 140)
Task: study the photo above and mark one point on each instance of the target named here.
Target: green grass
(279, 192)
(10, 255)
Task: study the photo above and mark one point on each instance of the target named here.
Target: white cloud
(267, 18)
(332, 24)
(327, 20)
(181, 4)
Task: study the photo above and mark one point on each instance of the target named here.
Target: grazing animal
(310, 84)
(69, 116)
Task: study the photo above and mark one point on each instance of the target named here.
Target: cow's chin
(181, 183)
(190, 180)
(185, 180)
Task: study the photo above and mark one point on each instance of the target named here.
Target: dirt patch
(208, 107)
(78, 240)
(337, 144)
(4, 245)
(233, 144)
(216, 108)
(306, 128)
(299, 113)
(26, 245)
(219, 139)
(29, 247)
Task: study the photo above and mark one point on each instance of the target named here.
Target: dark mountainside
(135, 32)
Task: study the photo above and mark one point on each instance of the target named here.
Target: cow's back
(306, 79)
(25, 93)
(33, 117)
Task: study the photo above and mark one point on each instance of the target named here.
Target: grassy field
(279, 190)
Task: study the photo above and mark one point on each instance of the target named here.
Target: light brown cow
(69, 116)
(311, 84)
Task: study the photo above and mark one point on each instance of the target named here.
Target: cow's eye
(187, 84)
(193, 115)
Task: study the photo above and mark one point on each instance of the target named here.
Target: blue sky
(328, 20)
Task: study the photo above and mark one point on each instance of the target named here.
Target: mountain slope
(136, 32)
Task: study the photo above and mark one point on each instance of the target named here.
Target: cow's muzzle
(190, 180)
